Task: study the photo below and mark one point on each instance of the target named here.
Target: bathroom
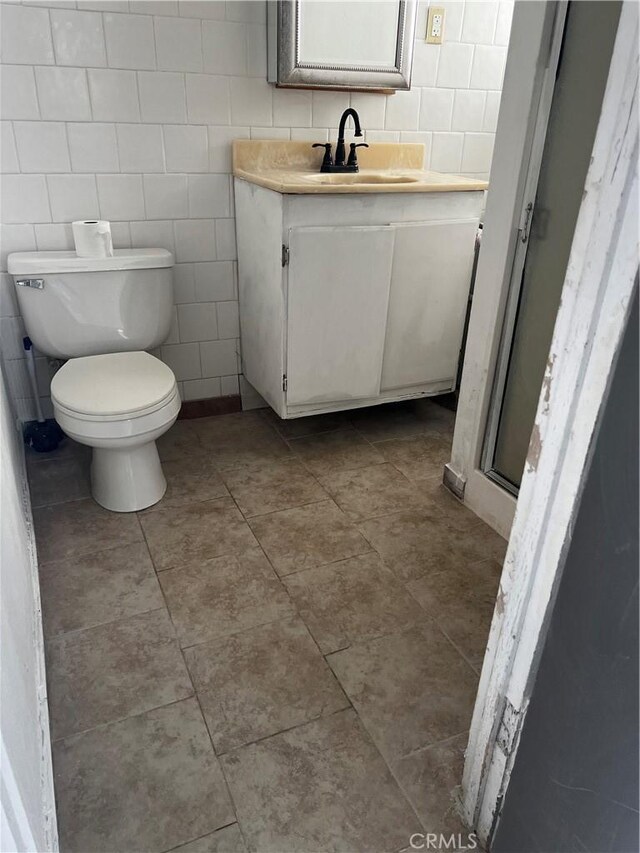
(270, 368)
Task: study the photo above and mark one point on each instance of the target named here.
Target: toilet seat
(113, 387)
(118, 404)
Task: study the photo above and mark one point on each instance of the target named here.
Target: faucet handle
(353, 157)
(327, 160)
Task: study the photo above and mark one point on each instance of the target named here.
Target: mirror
(341, 44)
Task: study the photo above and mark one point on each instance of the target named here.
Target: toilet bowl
(103, 314)
(118, 404)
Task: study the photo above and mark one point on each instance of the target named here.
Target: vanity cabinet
(351, 300)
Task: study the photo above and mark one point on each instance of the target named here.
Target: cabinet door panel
(338, 293)
(432, 265)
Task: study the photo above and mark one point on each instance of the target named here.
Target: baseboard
(213, 406)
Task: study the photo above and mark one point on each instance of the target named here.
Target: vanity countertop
(294, 168)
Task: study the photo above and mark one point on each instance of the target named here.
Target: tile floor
(281, 655)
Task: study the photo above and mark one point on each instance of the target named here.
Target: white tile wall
(166, 196)
(120, 197)
(436, 109)
(125, 110)
(140, 147)
(114, 95)
(93, 147)
(42, 145)
(63, 94)
(224, 47)
(78, 38)
(130, 41)
(73, 197)
(24, 199)
(468, 110)
(454, 65)
(446, 151)
(8, 152)
(178, 44)
(18, 92)
(479, 23)
(208, 100)
(198, 322)
(162, 97)
(186, 148)
(195, 239)
(26, 36)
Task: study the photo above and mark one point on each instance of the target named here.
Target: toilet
(102, 315)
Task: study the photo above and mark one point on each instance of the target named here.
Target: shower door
(545, 236)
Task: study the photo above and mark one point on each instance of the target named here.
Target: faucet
(338, 165)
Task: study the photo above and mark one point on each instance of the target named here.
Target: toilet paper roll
(92, 238)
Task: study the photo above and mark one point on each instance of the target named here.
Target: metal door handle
(527, 222)
(38, 283)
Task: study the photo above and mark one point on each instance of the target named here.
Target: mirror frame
(285, 68)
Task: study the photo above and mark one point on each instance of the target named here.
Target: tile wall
(125, 111)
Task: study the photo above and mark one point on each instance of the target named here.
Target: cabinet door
(432, 264)
(338, 293)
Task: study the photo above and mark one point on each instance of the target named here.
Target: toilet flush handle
(38, 283)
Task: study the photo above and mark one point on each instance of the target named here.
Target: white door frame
(534, 49)
(598, 290)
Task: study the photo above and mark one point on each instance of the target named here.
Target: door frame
(599, 285)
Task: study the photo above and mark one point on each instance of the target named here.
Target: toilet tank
(75, 306)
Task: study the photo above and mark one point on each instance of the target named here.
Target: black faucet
(338, 165)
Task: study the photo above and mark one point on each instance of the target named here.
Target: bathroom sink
(360, 178)
(293, 168)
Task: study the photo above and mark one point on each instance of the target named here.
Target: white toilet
(102, 314)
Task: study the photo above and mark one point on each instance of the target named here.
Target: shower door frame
(514, 289)
(534, 51)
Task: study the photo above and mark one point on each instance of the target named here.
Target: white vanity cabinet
(348, 300)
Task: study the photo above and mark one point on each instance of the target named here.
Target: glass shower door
(589, 35)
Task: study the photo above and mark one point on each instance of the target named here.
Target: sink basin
(360, 178)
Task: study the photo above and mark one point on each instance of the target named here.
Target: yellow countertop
(294, 168)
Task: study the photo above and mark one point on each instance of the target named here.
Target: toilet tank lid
(27, 263)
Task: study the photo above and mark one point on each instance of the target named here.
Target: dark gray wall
(575, 781)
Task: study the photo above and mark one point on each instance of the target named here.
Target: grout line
(195, 692)
(386, 763)
(458, 649)
(292, 601)
(436, 743)
(197, 697)
(222, 638)
(104, 725)
(213, 749)
(331, 563)
(401, 787)
(389, 761)
(251, 518)
(49, 640)
(202, 837)
(348, 707)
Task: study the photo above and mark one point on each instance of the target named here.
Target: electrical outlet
(435, 25)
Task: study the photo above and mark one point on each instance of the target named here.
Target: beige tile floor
(281, 655)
